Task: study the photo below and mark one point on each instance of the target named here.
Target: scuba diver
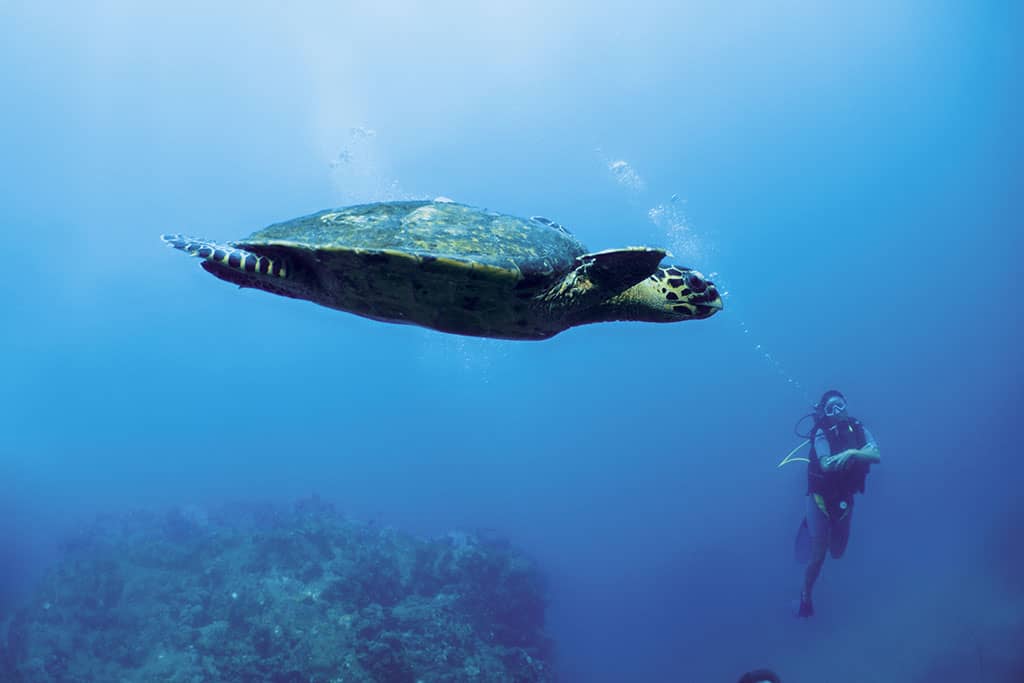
(842, 451)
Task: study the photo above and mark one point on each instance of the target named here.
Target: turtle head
(671, 294)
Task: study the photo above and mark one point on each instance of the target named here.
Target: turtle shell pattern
(536, 248)
(442, 265)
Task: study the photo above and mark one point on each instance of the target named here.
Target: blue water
(852, 177)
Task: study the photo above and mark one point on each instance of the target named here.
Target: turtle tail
(226, 256)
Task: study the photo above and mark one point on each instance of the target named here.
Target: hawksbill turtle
(457, 269)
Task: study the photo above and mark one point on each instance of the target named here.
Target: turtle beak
(708, 309)
(705, 296)
(716, 304)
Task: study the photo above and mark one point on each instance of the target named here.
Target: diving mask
(835, 406)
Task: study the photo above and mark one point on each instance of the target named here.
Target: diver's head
(832, 407)
(760, 676)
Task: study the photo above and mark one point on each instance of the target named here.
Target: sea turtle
(457, 269)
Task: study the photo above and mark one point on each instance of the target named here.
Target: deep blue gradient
(853, 177)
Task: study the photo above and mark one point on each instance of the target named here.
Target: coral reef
(262, 593)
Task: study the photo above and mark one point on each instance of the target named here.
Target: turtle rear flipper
(616, 270)
(227, 256)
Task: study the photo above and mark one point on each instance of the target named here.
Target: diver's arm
(869, 454)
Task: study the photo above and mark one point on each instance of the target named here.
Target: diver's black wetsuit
(830, 493)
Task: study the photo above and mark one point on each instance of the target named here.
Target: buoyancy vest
(838, 486)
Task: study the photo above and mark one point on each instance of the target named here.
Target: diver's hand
(840, 461)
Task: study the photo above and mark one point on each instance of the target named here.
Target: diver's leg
(818, 526)
(840, 534)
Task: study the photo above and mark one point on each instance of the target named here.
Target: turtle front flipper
(615, 270)
(602, 274)
(226, 256)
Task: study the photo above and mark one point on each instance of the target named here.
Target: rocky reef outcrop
(265, 593)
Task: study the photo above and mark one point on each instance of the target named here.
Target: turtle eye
(696, 282)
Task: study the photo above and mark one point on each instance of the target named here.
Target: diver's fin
(616, 270)
(804, 606)
(802, 547)
(227, 256)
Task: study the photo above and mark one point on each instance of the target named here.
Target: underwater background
(851, 176)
